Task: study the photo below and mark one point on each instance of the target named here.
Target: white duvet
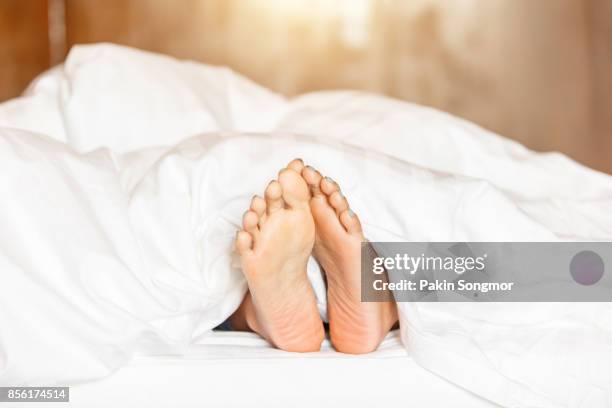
(123, 177)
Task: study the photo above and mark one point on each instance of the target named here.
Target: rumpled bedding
(124, 175)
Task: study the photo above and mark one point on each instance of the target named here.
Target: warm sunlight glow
(352, 15)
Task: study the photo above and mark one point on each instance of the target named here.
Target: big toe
(313, 179)
(295, 190)
(296, 165)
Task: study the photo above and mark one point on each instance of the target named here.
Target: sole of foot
(274, 246)
(355, 327)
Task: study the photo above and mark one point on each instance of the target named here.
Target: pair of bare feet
(304, 213)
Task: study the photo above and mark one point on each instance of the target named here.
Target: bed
(239, 369)
(127, 174)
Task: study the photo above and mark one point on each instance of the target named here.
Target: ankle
(239, 319)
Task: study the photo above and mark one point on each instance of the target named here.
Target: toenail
(311, 168)
(341, 195)
(351, 213)
(330, 180)
(300, 160)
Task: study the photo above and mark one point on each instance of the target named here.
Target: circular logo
(587, 268)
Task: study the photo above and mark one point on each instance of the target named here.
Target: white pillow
(39, 109)
(127, 99)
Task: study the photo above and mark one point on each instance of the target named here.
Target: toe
(249, 223)
(274, 197)
(244, 242)
(258, 205)
(313, 179)
(296, 165)
(338, 201)
(350, 222)
(295, 190)
(329, 186)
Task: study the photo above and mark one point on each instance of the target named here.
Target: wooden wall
(536, 71)
(600, 21)
(23, 44)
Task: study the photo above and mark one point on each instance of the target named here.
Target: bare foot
(355, 327)
(274, 246)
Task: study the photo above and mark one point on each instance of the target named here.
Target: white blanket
(123, 176)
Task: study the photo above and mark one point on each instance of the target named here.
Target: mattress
(241, 369)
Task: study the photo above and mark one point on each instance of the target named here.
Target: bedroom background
(535, 71)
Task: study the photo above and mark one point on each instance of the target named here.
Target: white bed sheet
(239, 369)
